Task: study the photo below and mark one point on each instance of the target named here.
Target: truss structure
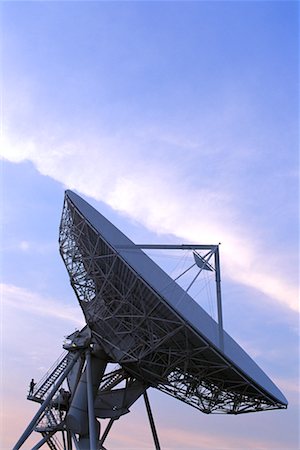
(143, 334)
(133, 324)
(79, 388)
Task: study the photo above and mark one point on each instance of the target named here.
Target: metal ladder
(46, 383)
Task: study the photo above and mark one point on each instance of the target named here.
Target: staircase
(49, 423)
(111, 379)
(52, 442)
(45, 384)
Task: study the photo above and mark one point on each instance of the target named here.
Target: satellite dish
(201, 262)
(140, 319)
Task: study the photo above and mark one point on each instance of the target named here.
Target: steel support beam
(151, 420)
(69, 440)
(215, 251)
(46, 402)
(64, 439)
(90, 396)
(107, 430)
(43, 441)
(219, 298)
(168, 246)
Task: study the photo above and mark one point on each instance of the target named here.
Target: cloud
(24, 246)
(121, 172)
(23, 299)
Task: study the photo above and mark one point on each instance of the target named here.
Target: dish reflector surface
(149, 325)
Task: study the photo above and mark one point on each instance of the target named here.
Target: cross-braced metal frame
(131, 325)
(80, 387)
(143, 334)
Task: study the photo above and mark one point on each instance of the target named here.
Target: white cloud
(24, 245)
(23, 299)
(156, 194)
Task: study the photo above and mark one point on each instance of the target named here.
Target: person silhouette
(31, 386)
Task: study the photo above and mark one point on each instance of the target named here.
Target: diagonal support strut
(151, 420)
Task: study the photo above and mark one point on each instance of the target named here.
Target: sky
(179, 122)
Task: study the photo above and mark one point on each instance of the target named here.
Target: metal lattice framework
(144, 334)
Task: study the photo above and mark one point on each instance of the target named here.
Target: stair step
(46, 384)
(52, 442)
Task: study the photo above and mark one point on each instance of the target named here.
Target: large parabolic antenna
(142, 320)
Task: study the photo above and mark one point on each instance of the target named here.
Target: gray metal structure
(142, 320)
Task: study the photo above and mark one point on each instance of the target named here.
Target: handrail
(50, 371)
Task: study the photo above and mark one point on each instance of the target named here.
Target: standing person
(31, 386)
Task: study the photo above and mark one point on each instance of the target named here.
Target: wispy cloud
(23, 299)
(156, 194)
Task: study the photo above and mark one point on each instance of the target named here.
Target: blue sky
(179, 122)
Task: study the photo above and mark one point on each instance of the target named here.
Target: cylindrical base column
(77, 419)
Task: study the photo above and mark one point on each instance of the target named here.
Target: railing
(111, 379)
(52, 442)
(46, 383)
(50, 421)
